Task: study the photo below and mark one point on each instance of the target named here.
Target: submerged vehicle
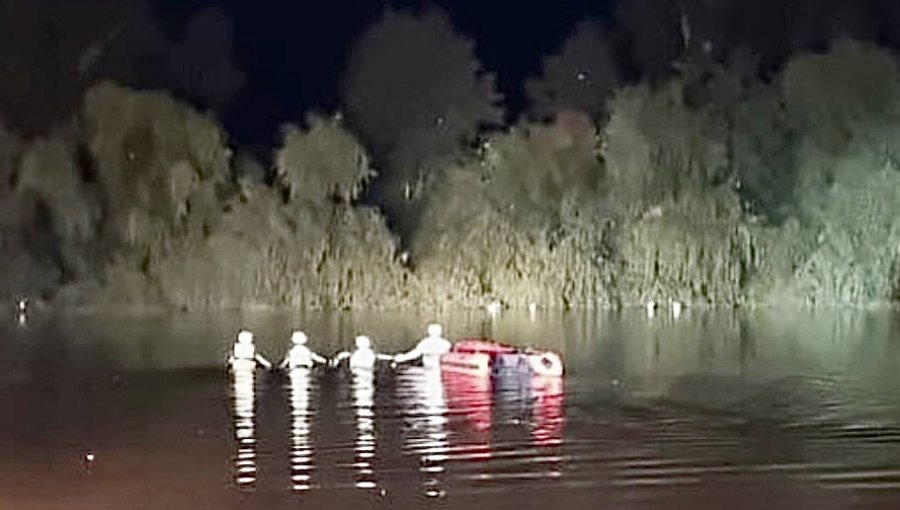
(490, 358)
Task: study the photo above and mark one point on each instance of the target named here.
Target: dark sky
(293, 53)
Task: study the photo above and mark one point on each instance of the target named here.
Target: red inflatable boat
(480, 357)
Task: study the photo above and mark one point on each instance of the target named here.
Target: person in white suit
(363, 357)
(430, 348)
(244, 352)
(299, 355)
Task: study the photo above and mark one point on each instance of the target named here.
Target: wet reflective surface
(749, 410)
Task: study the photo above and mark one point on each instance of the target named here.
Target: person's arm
(409, 355)
(336, 360)
(263, 361)
(385, 357)
(287, 359)
(318, 359)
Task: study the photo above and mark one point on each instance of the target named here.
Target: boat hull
(484, 358)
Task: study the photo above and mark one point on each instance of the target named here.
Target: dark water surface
(713, 410)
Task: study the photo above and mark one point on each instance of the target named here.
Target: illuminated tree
(50, 175)
(158, 164)
(325, 162)
(522, 223)
(845, 108)
(656, 147)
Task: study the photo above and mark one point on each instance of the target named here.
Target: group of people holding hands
(429, 350)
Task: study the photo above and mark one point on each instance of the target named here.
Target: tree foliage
(158, 164)
(417, 96)
(715, 178)
(580, 77)
(657, 147)
(324, 162)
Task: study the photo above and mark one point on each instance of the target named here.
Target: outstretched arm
(408, 356)
(385, 357)
(263, 361)
(336, 360)
(318, 359)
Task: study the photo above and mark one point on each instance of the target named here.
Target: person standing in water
(300, 356)
(244, 351)
(430, 348)
(363, 357)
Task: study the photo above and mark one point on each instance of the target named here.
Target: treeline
(712, 183)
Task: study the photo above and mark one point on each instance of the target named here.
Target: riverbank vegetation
(721, 180)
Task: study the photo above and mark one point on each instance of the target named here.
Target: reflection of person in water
(21, 311)
(244, 427)
(421, 391)
(363, 407)
(301, 459)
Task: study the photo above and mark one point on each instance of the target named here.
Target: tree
(580, 77)
(534, 169)
(415, 93)
(324, 162)
(656, 147)
(158, 163)
(50, 175)
(836, 96)
(844, 108)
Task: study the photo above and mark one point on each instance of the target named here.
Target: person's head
(245, 337)
(435, 330)
(363, 342)
(298, 338)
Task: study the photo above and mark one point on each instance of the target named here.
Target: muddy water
(748, 410)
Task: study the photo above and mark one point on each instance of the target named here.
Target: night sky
(293, 54)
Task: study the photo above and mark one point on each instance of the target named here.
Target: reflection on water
(421, 392)
(301, 450)
(243, 389)
(363, 384)
(712, 410)
(547, 398)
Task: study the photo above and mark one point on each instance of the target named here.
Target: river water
(767, 409)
